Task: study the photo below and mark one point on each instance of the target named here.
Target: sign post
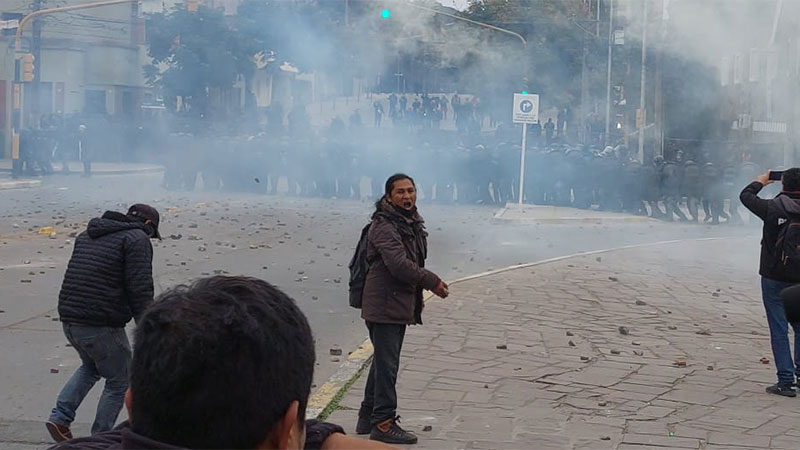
(526, 110)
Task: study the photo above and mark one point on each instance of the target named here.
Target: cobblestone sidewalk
(655, 347)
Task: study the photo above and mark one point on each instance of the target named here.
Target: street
(300, 245)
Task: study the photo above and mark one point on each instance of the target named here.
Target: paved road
(301, 245)
(536, 357)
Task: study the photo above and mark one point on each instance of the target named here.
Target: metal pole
(522, 161)
(584, 94)
(597, 21)
(608, 75)
(36, 49)
(643, 123)
(16, 164)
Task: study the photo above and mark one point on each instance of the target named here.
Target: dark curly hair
(217, 363)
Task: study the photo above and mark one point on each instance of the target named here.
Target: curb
(348, 372)
(144, 170)
(20, 184)
(358, 359)
(574, 220)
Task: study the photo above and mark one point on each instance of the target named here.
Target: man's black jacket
(774, 212)
(109, 278)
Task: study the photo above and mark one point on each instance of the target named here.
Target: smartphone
(776, 175)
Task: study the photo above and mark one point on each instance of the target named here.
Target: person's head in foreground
(226, 362)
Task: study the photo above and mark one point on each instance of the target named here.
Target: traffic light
(386, 13)
(27, 67)
(191, 5)
(524, 92)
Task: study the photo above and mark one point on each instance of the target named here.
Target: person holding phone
(779, 267)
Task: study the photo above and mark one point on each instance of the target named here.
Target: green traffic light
(524, 92)
(385, 14)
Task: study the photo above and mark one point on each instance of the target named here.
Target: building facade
(88, 62)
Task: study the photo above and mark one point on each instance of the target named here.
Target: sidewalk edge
(337, 384)
(19, 184)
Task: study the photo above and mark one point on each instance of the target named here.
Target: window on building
(95, 101)
(128, 103)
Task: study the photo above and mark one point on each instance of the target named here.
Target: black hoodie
(109, 279)
(774, 212)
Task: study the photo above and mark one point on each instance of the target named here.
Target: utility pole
(584, 93)
(643, 122)
(597, 21)
(36, 49)
(658, 96)
(608, 75)
(398, 75)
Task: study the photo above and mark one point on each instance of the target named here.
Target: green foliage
(196, 52)
(551, 61)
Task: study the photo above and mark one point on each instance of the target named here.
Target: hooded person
(108, 282)
(779, 269)
(392, 299)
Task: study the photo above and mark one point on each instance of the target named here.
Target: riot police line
(453, 167)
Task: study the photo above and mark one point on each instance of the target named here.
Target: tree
(193, 53)
(198, 53)
(552, 58)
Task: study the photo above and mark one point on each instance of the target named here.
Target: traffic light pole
(19, 86)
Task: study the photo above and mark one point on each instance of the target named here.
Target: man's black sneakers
(363, 425)
(781, 389)
(390, 432)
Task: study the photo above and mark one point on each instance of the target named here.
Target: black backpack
(359, 266)
(787, 246)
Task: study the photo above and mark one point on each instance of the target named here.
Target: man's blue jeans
(104, 352)
(779, 331)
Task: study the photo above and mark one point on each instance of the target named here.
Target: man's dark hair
(791, 179)
(217, 363)
(387, 188)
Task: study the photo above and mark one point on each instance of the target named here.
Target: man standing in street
(392, 299)
(109, 281)
(779, 268)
